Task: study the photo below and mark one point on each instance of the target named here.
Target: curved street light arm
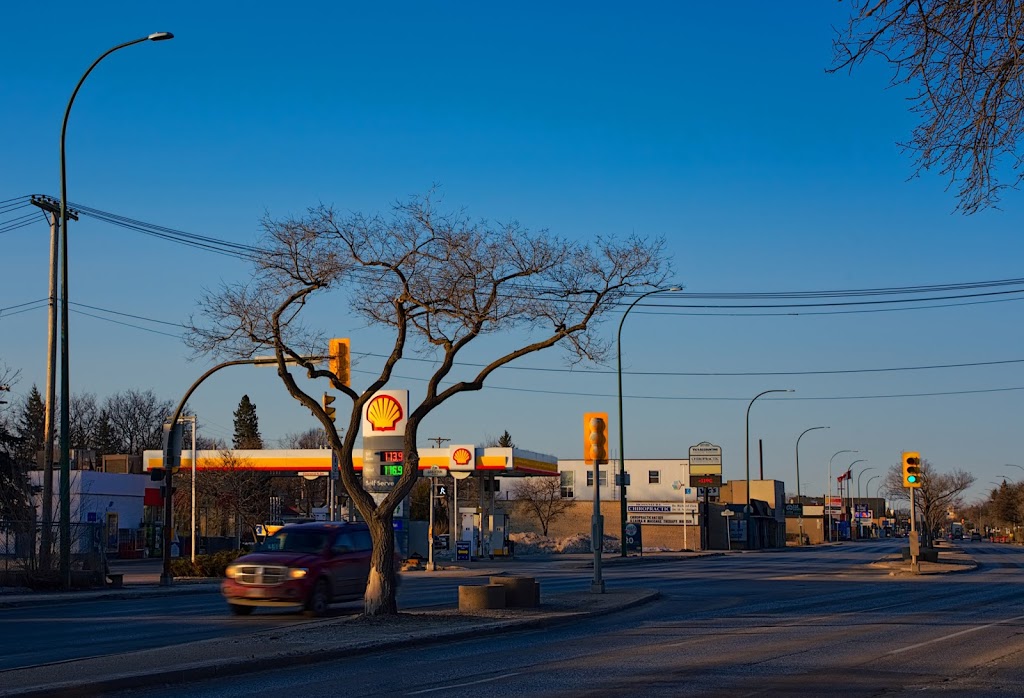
(65, 380)
(622, 437)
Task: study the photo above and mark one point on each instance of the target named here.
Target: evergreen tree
(31, 428)
(247, 425)
(505, 440)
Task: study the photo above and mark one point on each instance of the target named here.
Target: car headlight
(297, 572)
(232, 571)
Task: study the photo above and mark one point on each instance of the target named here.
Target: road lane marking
(460, 685)
(961, 632)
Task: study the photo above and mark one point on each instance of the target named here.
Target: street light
(850, 494)
(65, 385)
(828, 503)
(853, 515)
(622, 437)
(746, 509)
(867, 491)
(799, 501)
(1014, 466)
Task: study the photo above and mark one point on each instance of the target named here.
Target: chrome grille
(261, 574)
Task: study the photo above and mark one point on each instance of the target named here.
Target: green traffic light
(912, 478)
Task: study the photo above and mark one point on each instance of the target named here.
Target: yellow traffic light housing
(328, 399)
(595, 437)
(340, 362)
(912, 475)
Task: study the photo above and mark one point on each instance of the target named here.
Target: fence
(24, 560)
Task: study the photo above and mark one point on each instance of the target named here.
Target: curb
(18, 601)
(224, 668)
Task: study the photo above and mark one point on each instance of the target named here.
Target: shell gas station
(380, 462)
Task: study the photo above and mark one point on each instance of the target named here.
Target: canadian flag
(844, 476)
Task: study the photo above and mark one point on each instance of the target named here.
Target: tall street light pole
(853, 514)
(65, 384)
(828, 503)
(622, 437)
(799, 501)
(867, 491)
(849, 492)
(746, 509)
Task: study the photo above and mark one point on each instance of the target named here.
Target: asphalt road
(31, 636)
(796, 622)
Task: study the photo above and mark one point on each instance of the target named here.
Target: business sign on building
(461, 458)
(794, 510)
(663, 513)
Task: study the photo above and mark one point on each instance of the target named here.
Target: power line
(540, 391)
(716, 373)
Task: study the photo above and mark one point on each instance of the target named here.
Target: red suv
(308, 566)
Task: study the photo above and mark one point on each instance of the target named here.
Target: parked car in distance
(304, 566)
(975, 535)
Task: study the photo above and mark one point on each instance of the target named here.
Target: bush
(205, 565)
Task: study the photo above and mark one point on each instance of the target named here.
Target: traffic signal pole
(915, 545)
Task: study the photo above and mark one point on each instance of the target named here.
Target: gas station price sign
(392, 463)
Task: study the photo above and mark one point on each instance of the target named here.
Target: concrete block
(520, 592)
(478, 597)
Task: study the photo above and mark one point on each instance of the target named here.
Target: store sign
(461, 457)
(794, 510)
(386, 413)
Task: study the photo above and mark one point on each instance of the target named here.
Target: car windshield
(295, 542)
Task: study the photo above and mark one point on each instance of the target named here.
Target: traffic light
(595, 437)
(912, 476)
(328, 399)
(339, 361)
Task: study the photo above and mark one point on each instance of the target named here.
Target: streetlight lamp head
(676, 288)
(160, 36)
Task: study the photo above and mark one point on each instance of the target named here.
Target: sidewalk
(309, 643)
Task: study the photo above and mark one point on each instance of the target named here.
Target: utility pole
(51, 206)
(439, 439)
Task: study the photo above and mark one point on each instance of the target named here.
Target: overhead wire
(489, 386)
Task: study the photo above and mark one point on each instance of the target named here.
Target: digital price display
(392, 470)
(392, 456)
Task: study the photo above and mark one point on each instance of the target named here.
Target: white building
(649, 480)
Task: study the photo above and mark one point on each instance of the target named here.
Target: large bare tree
(939, 492)
(964, 62)
(438, 281)
(541, 499)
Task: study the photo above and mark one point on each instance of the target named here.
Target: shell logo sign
(385, 413)
(462, 458)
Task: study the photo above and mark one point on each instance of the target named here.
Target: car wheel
(240, 610)
(319, 599)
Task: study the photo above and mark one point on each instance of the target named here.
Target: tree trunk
(382, 586)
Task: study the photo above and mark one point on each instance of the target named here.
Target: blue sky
(711, 124)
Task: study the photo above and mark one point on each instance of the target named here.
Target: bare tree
(438, 281)
(939, 492)
(311, 438)
(86, 418)
(541, 498)
(136, 419)
(964, 61)
(232, 492)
